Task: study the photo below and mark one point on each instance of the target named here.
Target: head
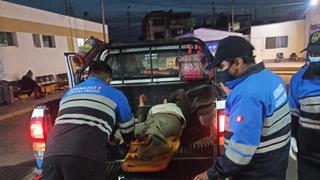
(313, 49)
(29, 74)
(233, 57)
(102, 71)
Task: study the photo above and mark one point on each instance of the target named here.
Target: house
(162, 25)
(284, 37)
(33, 39)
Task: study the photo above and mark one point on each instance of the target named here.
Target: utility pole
(68, 13)
(213, 14)
(129, 22)
(232, 15)
(103, 20)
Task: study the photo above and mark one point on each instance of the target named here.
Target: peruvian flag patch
(239, 118)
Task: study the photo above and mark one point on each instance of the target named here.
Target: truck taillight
(222, 119)
(40, 124)
(220, 124)
(36, 129)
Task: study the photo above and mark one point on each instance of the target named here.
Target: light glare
(314, 2)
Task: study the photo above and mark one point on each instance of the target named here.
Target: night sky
(117, 16)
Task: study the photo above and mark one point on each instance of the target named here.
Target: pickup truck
(150, 69)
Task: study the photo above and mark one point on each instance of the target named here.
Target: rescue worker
(257, 134)
(304, 99)
(163, 120)
(88, 114)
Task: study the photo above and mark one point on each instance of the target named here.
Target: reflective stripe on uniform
(310, 100)
(237, 157)
(311, 108)
(242, 148)
(91, 104)
(309, 123)
(91, 97)
(127, 127)
(66, 118)
(274, 144)
(277, 121)
(90, 123)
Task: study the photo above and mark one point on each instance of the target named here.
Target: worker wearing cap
(257, 134)
(88, 114)
(304, 99)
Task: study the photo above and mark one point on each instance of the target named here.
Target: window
(48, 41)
(158, 22)
(8, 39)
(276, 42)
(36, 40)
(159, 35)
(80, 42)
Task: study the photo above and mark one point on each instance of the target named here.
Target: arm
(125, 119)
(294, 107)
(246, 119)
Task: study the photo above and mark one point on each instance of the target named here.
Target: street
(16, 156)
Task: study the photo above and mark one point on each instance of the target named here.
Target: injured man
(163, 120)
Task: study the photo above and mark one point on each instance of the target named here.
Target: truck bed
(196, 153)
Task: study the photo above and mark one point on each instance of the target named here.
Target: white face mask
(314, 59)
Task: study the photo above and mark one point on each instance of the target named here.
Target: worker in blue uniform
(257, 134)
(304, 99)
(88, 114)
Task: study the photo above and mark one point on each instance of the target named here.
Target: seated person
(163, 120)
(27, 83)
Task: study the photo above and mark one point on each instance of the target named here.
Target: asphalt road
(16, 155)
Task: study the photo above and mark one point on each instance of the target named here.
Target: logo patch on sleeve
(239, 118)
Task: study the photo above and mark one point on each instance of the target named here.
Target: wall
(295, 31)
(42, 61)
(312, 20)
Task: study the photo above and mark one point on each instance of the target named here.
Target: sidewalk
(23, 106)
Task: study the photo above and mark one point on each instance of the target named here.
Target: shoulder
(298, 75)
(114, 94)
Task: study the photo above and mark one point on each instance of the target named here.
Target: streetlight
(314, 2)
(103, 20)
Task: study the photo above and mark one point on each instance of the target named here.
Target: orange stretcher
(133, 164)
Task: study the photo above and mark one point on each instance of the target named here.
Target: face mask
(225, 76)
(314, 59)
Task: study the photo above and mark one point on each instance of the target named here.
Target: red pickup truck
(151, 69)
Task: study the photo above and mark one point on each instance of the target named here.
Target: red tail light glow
(36, 130)
(221, 122)
(221, 127)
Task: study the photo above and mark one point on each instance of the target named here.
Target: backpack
(192, 68)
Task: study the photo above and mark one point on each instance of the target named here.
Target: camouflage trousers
(158, 126)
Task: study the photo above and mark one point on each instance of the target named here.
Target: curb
(16, 113)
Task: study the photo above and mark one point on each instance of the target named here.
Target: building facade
(285, 37)
(161, 25)
(33, 39)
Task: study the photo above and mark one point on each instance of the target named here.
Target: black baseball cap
(232, 47)
(314, 43)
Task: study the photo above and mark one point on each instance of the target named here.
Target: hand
(293, 148)
(202, 176)
(225, 88)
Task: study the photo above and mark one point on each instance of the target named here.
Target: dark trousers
(72, 168)
(308, 169)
